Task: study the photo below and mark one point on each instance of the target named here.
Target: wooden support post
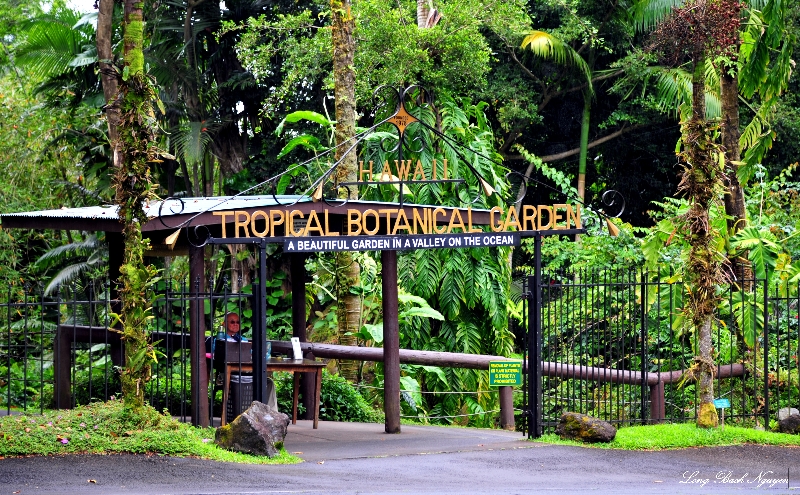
(507, 408)
(391, 342)
(299, 319)
(197, 348)
(657, 403)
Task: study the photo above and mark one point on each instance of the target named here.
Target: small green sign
(505, 373)
(722, 403)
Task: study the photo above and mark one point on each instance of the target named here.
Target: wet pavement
(355, 458)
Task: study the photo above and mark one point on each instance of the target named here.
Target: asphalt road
(449, 463)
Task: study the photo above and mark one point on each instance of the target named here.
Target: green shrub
(339, 399)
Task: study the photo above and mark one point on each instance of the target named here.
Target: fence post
(199, 372)
(535, 343)
(260, 328)
(765, 337)
(507, 408)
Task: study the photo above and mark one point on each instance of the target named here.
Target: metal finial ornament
(401, 119)
(613, 230)
(317, 196)
(487, 189)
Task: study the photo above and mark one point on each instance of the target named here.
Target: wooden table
(275, 364)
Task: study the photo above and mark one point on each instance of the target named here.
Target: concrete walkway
(334, 440)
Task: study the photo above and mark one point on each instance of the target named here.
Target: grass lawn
(109, 428)
(681, 436)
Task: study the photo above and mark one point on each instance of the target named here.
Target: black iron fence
(60, 350)
(615, 344)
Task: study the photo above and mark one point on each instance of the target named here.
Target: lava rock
(791, 424)
(576, 426)
(260, 430)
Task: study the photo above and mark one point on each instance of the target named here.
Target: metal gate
(612, 343)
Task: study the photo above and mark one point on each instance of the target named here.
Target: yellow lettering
(403, 168)
(256, 214)
(362, 170)
(453, 223)
(419, 171)
(469, 220)
(386, 173)
(243, 224)
(574, 216)
(433, 169)
(292, 232)
(557, 217)
(528, 217)
(549, 224)
(222, 214)
(364, 222)
(276, 217)
(401, 217)
(512, 220)
(353, 220)
(436, 213)
(327, 225)
(421, 221)
(445, 169)
(313, 219)
(388, 214)
(496, 227)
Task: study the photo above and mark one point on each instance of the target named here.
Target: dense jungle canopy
(583, 95)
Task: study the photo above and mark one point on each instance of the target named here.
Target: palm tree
(87, 257)
(549, 47)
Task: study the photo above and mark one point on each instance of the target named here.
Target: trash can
(240, 396)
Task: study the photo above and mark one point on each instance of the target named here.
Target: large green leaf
(306, 141)
(762, 250)
(295, 117)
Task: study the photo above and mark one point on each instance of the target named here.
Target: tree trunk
(734, 193)
(699, 180)
(734, 198)
(347, 270)
(132, 184)
(108, 75)
(422, 13)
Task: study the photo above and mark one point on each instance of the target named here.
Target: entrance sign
(400, 242)
(505, 373)
(422, 221)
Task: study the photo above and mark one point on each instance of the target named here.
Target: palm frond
(674, 90)
(549, 47)
(193, 139)
(67, 275)
(80, 248)
(647, 14)
(50, 44)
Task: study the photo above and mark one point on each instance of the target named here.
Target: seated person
(232, 334)
(232, 326)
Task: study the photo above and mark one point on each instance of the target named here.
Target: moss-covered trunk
(701, 179)
(133, 188)
(348, 272)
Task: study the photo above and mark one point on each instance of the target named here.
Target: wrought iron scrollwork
(612, 198)
(172, 210)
